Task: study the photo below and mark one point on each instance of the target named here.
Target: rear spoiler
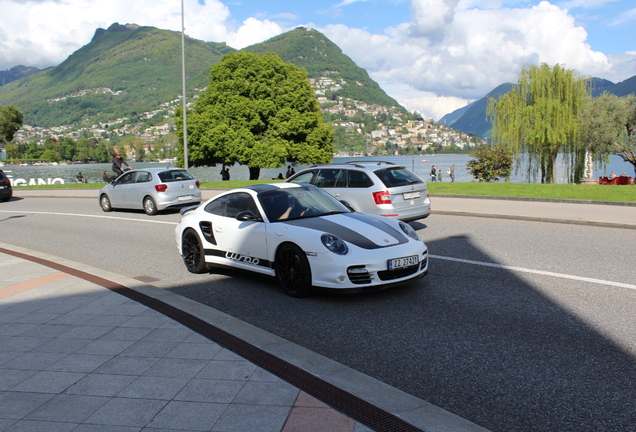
(185, 210)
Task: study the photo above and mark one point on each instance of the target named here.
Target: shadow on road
(480, 342)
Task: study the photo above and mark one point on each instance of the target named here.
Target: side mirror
(247, 215)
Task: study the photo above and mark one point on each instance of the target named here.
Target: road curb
(536, 219)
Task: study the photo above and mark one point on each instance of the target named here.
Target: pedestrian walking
(451, 173)
(433, 173)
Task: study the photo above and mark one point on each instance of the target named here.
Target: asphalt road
(519, 326)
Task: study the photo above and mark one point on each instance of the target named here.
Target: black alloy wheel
(192, 252)
(293, 270)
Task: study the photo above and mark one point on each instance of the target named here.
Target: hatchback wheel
(150, 206)
(293, 270)
(192, 252)
(104, 202)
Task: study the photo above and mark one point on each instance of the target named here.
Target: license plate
(398, 263)
(411, 195)
(185, 198)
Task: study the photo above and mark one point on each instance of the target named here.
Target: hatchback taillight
(198, 184)
(382, 197)
(161, 187)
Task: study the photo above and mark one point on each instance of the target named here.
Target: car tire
(192, 252)
(105, 204)
(150, 206)
(293, 271)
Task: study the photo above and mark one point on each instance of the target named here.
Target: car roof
(358, 164)
(159, 169)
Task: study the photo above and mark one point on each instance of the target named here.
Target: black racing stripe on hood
(379, 224)
(346, 234)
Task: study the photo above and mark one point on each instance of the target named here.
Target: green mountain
(312, 50)
(17, 72)
(141, 67)
(472, 118)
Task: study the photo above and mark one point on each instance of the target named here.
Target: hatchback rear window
(175, 175)
(394, 177)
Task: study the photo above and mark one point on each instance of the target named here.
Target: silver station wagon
(151, 189)
(379, 188)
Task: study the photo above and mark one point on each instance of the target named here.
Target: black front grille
(358, 278)
(423, 263)
(388, 275)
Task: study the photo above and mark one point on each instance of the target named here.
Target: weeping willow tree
(540, 117)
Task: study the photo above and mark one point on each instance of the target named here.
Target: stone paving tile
(33, 361)
(262, 418)
(106, 428)
(127, 412)
(10, 378)
(190, 416)
(15, 405)
(49, 382)
(181, 368)
(101, 385)
(68, 408)
(88, 332)
(267, 393)
(168, 335)
(127, 333)
(40, 426)
(18, 344)
(48, 330)
(233, 370)
(164, 388)
(127, 365)
(149, 349)
(209, 390)
(105, 347)
(61, 345)
(202, 350)
(80, 363)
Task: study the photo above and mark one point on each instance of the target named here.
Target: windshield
(296, 203)
(175, 175)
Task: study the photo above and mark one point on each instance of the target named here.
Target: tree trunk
(255, 172)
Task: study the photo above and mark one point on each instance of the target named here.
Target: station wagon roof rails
(370, 162)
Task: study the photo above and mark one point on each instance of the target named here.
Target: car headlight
(409, 231)
(334, 244)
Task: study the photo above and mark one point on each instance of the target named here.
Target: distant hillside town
(368, 129)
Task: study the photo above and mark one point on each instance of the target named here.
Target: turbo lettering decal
(234, 256)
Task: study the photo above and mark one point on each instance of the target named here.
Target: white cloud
(45, 32)
(462, 54)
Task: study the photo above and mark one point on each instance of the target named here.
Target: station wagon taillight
(161, 187)
(382, 197)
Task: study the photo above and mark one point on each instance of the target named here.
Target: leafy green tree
(12, 151)
(68, 148)
(50, 155)
(490, 164)
(540, 116)
(608, 126)
(34, 151)
(257, 111)
(10, 122)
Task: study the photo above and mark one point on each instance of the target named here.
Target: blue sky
(433, 56)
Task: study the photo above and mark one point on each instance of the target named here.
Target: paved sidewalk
(82, 349)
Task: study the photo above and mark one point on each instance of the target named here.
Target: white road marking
(90, 216)
(461, 260)
(539, 272)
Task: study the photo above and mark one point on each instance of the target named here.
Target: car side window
(143, 177)
(217, 207)
(341, 179)
(239, 202)
(128, 178)
(359, 179)
(304, 177)
(327, 178)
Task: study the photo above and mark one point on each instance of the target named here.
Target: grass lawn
(593, 192)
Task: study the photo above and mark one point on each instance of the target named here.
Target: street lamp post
(183, 74)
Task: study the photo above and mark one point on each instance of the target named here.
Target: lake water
(421, 165)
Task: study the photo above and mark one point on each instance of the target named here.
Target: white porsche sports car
(301, 235)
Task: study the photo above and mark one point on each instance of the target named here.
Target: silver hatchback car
(380, 188)
(151, 189)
